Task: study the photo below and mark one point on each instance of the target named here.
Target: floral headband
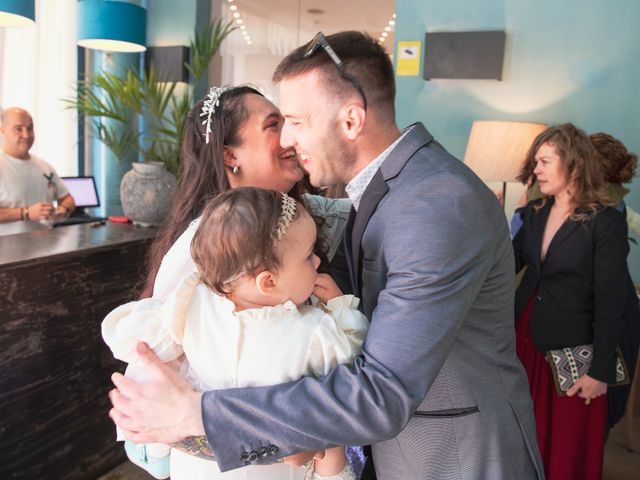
(288, 211)
(209, 107)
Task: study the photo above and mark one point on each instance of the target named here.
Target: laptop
(85, 194)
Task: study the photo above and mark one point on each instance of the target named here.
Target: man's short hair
(363, 57)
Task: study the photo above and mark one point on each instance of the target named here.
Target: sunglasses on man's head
(321, 41)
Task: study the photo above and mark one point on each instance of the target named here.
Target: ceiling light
(239, 21)
(236, 15)
(112, 26)
(17, 13)
(233, 8)
(387, 29)
(392, 22)
(242, 27)
(384, 34)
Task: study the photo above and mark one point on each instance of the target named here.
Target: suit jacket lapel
(347, 251)
(539, 222)
(415, 139)
(562, 234)
(370, 199)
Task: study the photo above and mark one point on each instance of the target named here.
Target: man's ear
(229, 157)
(352, 118)
(265, 282)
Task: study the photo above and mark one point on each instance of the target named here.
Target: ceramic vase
(145, 193)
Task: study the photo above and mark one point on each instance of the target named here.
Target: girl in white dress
(242, 319)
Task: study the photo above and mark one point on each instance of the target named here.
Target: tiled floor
(619, 463)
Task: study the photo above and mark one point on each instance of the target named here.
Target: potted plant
(152, 112)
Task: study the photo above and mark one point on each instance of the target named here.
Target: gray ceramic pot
(145, 193)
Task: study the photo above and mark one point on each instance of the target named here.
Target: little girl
(242, 320)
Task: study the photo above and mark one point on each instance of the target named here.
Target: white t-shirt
(23, 182)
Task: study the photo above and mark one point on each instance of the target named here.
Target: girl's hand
(326, 288)
(588, 388)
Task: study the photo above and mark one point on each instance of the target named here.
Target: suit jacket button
(253, 456)
(273, 449)
(538, 298)
(244, 456)
(263, 451)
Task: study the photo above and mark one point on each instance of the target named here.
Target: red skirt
(571, 434)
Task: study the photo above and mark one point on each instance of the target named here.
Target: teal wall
(170, 22)
(568, 61)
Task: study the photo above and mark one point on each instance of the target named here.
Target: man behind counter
(30, 188)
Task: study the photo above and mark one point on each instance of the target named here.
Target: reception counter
(56, 286)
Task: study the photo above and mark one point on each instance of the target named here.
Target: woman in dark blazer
(572, 293)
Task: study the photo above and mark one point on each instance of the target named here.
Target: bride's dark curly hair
(203, 174)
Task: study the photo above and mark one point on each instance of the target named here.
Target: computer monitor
(83, 190)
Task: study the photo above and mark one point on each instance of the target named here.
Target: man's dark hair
(363, 57)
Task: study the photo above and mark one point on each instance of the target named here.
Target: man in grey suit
(438, 391)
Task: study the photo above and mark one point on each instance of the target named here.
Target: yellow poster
(408, 59)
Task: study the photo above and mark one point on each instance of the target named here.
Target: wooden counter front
(56, 286)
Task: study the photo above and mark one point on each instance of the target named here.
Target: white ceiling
(296, 18)
(276, 27)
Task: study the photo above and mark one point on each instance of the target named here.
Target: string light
(387, 29)
(234, 11)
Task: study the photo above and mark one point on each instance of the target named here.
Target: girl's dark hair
(237, 235)
(618, 164)
(202, 172)
(580, 162)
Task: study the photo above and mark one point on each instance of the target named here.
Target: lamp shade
(496, 149)
(112, 26)
(17, 13)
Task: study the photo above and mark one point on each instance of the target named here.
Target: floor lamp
(496, 149)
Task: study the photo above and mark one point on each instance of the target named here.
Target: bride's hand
(302, 458)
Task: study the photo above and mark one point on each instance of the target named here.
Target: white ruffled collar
(267, 314)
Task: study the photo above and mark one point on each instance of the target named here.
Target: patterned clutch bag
(570, 363)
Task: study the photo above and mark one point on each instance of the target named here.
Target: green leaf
(119, 104)
(205, 45)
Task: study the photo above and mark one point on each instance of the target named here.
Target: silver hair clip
(209, 107)
(288, 211)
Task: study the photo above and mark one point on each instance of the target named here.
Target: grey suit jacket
(438, 391)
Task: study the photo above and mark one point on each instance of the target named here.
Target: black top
(580, 286)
